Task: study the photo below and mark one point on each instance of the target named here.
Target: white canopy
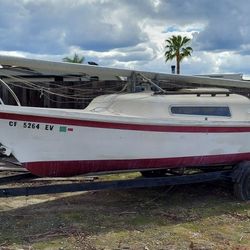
(105, 73)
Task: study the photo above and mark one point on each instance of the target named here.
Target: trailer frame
(239, 176)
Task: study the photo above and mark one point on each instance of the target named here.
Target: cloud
(127, 33)
(52, 26)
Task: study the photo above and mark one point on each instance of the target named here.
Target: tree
(175, 48)
(75, 59)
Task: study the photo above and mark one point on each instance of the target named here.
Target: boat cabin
(193, 104)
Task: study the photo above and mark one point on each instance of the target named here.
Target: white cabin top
(179, 106)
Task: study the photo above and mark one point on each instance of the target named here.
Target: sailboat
(147, 129)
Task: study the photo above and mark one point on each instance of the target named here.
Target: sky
(130, 33)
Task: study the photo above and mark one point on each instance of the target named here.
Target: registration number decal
(32, 125)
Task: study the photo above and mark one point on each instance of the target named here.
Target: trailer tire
(242, 184)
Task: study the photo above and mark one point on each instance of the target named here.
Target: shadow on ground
(92, 214)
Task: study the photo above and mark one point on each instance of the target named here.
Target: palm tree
(75, 59)
(175, 48)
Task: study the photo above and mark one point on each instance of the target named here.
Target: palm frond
(75, 59)
(175, 48)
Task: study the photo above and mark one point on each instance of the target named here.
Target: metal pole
(132, 82)
(153, 84)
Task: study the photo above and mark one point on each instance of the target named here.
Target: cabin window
(205, 111)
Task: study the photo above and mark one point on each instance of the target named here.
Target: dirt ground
(200, 216)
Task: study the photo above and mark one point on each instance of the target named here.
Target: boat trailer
(239, 176)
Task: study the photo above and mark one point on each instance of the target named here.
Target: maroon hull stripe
(70, 168)
(124, 126)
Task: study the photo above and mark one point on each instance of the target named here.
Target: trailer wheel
(242, 181)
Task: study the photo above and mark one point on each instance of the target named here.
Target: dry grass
(204, 216)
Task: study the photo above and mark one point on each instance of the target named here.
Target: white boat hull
(55, 146)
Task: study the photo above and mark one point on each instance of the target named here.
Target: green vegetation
(175, 48)
(75, 59)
